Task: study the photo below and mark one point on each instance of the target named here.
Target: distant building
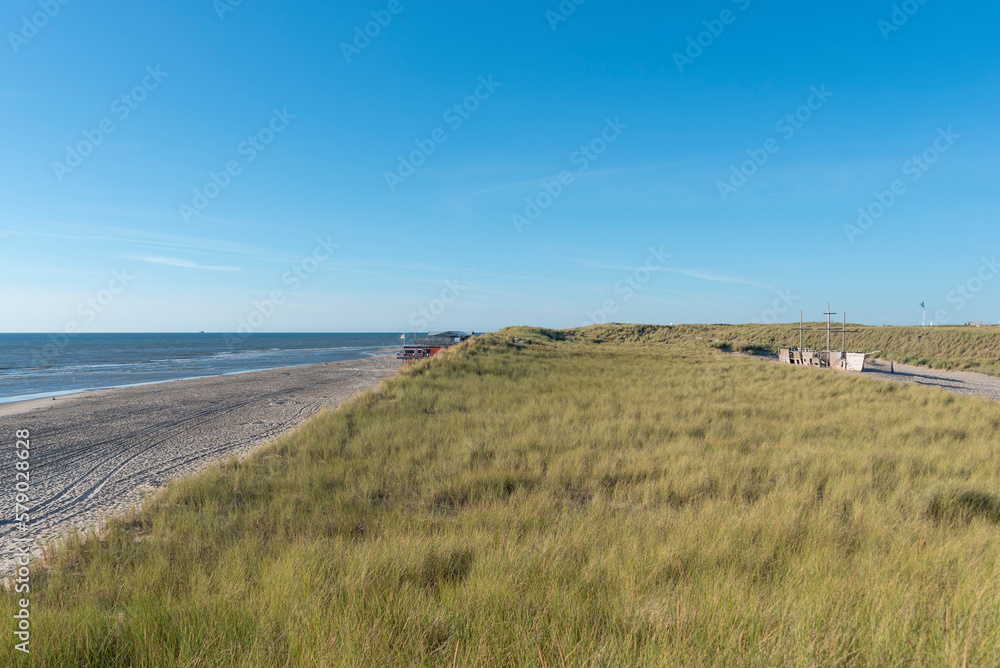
(432, 344)
(974, 323)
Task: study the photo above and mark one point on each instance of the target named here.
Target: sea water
(43, 365)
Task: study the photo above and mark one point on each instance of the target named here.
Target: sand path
(97, 453)
(962, 382)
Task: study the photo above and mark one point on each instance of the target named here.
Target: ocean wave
(77, 373)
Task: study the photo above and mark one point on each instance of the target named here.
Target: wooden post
(828, 314)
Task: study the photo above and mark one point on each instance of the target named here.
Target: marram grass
(954, 347)
(523, 500)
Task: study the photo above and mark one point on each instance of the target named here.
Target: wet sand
(97, 453)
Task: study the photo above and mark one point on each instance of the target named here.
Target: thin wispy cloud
(504, 186)
(597, 264)
(576, 175)
(158, 241)
(693, 273)
(184, 264)
(450, 271)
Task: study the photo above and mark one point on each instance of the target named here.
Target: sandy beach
(97, 453)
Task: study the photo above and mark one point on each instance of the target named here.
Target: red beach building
(431, 345)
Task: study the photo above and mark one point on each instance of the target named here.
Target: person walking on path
(892, 367)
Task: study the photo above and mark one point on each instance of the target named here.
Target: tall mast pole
(828, 314)
(843, 348)
(800, 331)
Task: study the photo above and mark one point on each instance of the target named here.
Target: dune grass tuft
(964, 505)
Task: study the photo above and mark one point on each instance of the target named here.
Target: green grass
(957, 348)
(549, 499)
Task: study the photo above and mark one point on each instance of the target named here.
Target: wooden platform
(840, 361)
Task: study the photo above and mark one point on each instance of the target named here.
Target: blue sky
(639, 229)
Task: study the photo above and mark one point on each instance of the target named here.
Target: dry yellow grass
(526, 500)
(961, 348)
